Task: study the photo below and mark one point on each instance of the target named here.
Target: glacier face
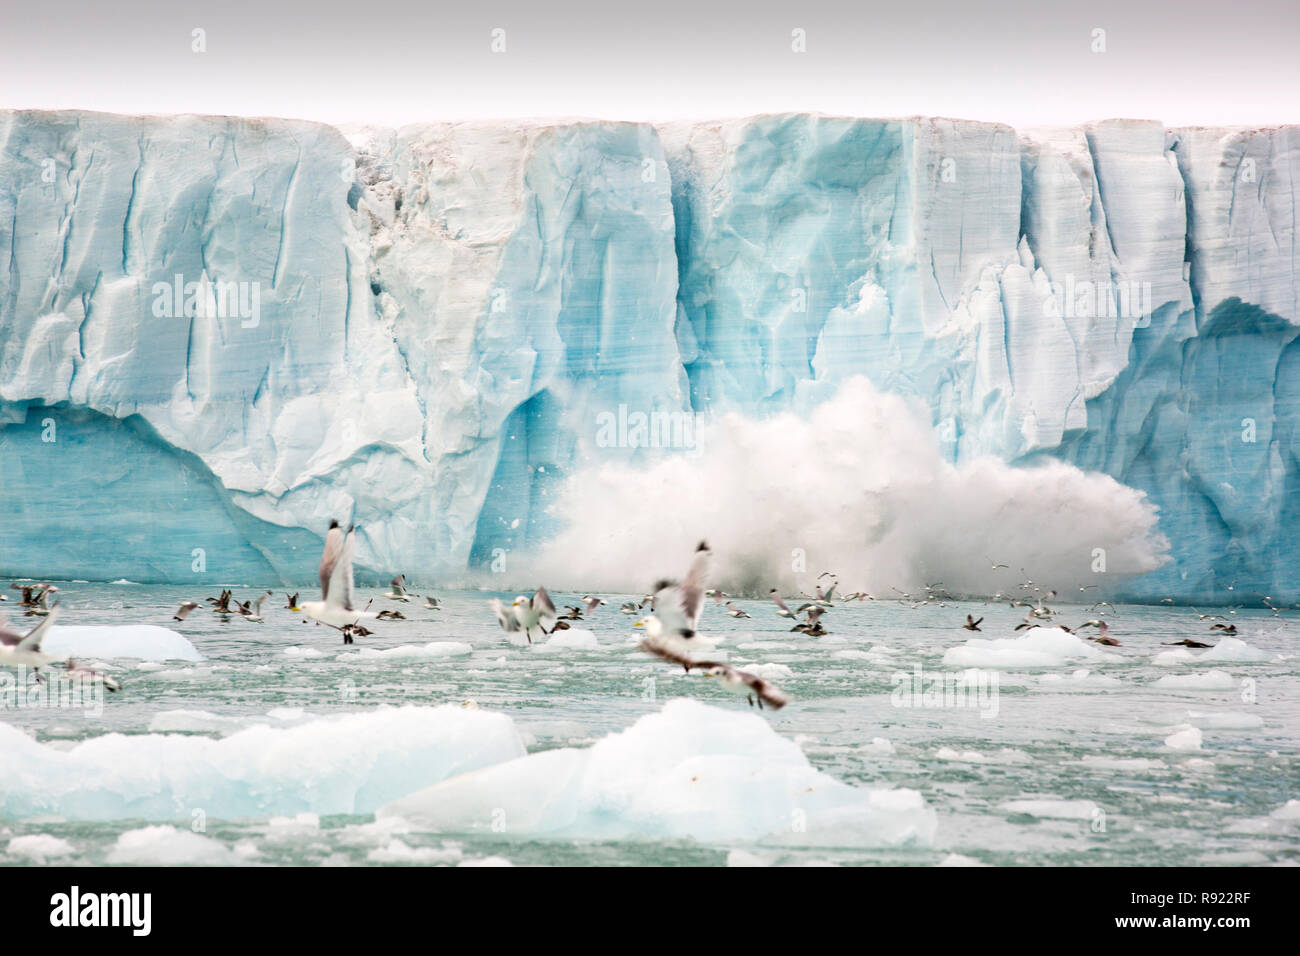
(444, 318)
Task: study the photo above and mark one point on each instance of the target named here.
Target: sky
(390, 62)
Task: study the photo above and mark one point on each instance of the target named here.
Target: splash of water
(857, 486)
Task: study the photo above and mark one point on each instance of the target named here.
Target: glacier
(428, 327)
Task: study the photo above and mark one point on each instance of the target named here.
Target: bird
(1224, 628)
(1103, 635)
(184, 610)
(815, 629)
(716, 595)
(524, 614)
(40, 603)
(676, 607)
(291, 602)
(629, 607)
(993, 565)
(534, 612)
(734, 611)
(432, 603)
(252, 610)
(812, 624)
(335, 608)
(390, 616)
(1185, 642)
(734, 679)
(972, 624)
(592, 603)
(24, 650)
(572, 612)
(221, 605)
(398, 592)
(782, 609)
(562, 625)
(79, 672)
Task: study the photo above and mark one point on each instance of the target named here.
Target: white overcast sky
(397, 61)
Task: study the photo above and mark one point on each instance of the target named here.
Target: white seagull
(398, 593)
(526, 614)
(676, 607)
(24, 650)
(335, 609)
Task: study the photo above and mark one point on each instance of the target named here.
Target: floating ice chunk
(1184, 737)
(1180, 655)
(1233, 649)
(740, 858)
(299, 651)
(486, 861)
(168, 846)
(146, 642)
(768, 671)
(1288, 811)
(574, 638)
(399, 852)
(39, 847)
(1210, 680)
(348, 764)
(1006, 755)
(879, 747)
(956, 859)
(1053, 808)
(690, 770)
(195, 721)
(1039, 647)
(1224, 720)
(434, 649)
(1198, 765)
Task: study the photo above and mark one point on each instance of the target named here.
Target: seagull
(1103, 635)
(812, 625)
(572, 612)
(398, 592)
(292, 602)
(505, 616)
(184, 611)
(734, 679)
(40, 605)
(734, 611)
(252, 611)
(677, 606)
(534, 612)
(221, 605)
(432, 603)
(972, 624)
(1225, 628)
(993, 565)
(390, 616)
(78, 672)
(1185, 642)
(629, 607)
(592, 603)
(24, 650)
(717, 595)
(335, 609)
(782, 609)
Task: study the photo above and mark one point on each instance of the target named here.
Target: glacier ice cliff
(428, 329)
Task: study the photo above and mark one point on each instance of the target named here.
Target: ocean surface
(1072, 762)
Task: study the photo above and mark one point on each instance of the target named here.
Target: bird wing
(692, 588)
(543, 605)
(508, 622)
(830, 590)
(339, 593)
(32, 641)
(767, 692)
(8, 636)
(329, 558)
(664, 652)
(780, 603)
(669, 605)
(593, 604)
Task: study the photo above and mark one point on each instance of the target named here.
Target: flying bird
(291, 603)
(525, 614)
(1185, 642)
(252, 610)
(398, 592)
(782, 609)
(79, 672)
(734, 611)
(432, 603)
(734, 679)
(972, 624)
(336, 607)
(184, 611)
(24, 650)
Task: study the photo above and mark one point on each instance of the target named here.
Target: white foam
(690, 770)
(1053, 808)
(891, 511)
(145, 642)
(348, 764)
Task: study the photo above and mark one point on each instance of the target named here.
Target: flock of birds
(671, 628)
